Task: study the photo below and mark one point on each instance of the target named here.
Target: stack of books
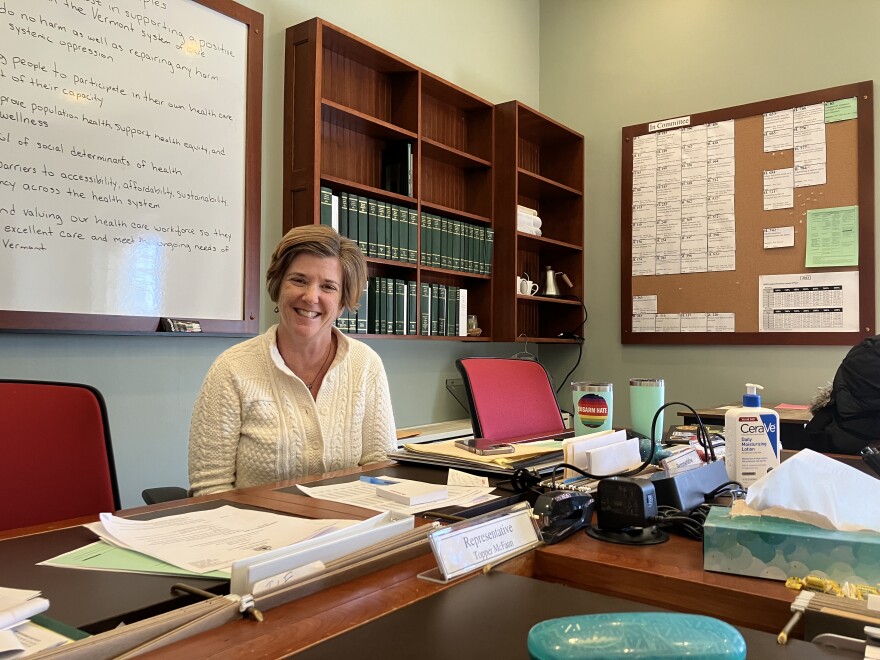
(456, 245)
(388, 306)
(381, 230)
(541, 456)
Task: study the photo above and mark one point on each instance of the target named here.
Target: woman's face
(310, 297)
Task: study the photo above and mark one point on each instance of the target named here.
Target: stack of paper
(204, 541)
(18, 636)
(364, 493)
(17, 605)
(539, 455)
(198, 543)
(413, 492)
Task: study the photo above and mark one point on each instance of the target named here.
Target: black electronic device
(624, 512)
(561, 513)
(871, 456)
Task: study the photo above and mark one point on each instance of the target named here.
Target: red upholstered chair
(510, 398)
(56, 454)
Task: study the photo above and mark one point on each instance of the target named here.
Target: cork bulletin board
(751, 224)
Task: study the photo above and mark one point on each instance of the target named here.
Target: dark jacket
(851, 420)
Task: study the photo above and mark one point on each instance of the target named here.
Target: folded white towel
(525, 209)
(528, 220)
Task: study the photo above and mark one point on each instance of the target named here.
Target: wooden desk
(668, 576)
(791, 422)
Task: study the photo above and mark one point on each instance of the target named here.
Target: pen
(377, 481)
(441, 516)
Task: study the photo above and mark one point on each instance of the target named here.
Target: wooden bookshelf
(346, 102)
(540, 165)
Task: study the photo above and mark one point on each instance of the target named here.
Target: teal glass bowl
(636, 635)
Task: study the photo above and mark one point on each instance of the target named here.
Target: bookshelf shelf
(361, 127)
(540, 187)
(451, 155)
(358, 122)
(539, 165)
(547, 243)
(338, 183)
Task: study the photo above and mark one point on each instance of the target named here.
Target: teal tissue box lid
(635, 635)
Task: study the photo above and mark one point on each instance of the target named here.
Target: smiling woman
(293, 401)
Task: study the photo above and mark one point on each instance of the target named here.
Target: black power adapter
(687, 489)
(624, 502)
(626, 512)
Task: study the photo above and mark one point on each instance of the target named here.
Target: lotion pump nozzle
(751, 399)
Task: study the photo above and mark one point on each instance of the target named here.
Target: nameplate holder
(482, 542)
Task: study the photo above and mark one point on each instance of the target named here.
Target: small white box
(413, 492)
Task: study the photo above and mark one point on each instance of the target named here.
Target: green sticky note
(833, 237)
(841, 110)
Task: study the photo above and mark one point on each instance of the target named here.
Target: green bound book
(469, 248)
(451, 311)
(326, 206)
(374, 297)
(436, 241)
(383, 305)
(389, 306)
(354, 231)
(435, 298)
(342, 228)
(425, 310)
(457, 228)
(394, 233)
(363, 310)
(381, 236)
(362, 221)
(351, 217)
(490, 246)
(372, 215)
(444, 243)
(425, 258)
(399, 307)
(412, 294)
(373, 230)
(481, 251)
(412, 240)
(441, 309)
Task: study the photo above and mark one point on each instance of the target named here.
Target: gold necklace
(324, 364)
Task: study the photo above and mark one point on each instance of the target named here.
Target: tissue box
(777, 549)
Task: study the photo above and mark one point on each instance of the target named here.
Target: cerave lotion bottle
(751, 435)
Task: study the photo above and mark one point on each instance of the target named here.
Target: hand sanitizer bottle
(751, 435)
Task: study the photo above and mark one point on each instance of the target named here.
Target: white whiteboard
(122, 158)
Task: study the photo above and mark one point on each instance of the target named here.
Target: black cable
(580, 345)
(702, 436)
(573, 334)
(583, 323)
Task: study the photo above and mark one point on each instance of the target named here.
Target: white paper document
(778, 237)
(363, 493)
(27, 639)
(203, 541)
(809, 302)
(16, 605)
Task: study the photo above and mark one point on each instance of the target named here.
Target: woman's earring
(276, 309)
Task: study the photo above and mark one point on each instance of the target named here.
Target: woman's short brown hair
(321, 241)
